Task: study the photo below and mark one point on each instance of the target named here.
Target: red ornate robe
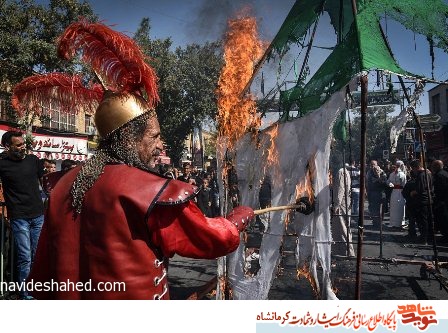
(130, 222)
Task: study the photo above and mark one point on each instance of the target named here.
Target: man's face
(373, 164)
(187, 170)
(151, 145)
(17, 148)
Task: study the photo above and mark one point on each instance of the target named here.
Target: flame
(305, 187)
(272, 158)
(304, 271)
(236, 113)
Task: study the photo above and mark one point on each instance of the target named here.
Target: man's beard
(19, 155)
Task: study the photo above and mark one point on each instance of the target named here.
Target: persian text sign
(64, 145)
(377, 98)
(407, 315)
(55, 147)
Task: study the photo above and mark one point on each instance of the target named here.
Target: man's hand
(241, 217)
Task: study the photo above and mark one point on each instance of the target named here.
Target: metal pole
(362, 177)
(268, 51)
(381, 229)
(308, 50)
(347, 222)
(362, 180)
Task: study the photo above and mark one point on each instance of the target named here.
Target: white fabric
(297, 142)
(405, 115)
(400, 165)
(397, 201)
(397, 128)
(339, 223)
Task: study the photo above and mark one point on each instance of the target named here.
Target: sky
(199, 21)
(189, 21)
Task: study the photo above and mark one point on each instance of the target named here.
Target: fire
(271, 151)
(304, 271)
(305, 188)
(236, 113)
(272, 158)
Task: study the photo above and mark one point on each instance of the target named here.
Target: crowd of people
(415, 197)
(208, 198)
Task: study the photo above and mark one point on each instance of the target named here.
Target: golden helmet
(117, 109)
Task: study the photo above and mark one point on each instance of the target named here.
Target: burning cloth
(287, 157)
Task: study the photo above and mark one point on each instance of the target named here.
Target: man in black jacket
(21, 174)
(411, 214)
(440, 179)
(421, 195)
(376, 183)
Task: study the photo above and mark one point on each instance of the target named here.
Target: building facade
(436, 136)
(55, 135)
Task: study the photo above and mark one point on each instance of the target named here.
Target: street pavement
(396, 275)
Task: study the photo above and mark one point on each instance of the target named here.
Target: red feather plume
(115, 57)
(67, 92)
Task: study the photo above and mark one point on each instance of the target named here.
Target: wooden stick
(276, 208)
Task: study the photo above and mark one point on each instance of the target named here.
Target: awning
(60, 156)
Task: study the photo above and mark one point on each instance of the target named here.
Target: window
(436, 104)
(52, 117)
(89, 125)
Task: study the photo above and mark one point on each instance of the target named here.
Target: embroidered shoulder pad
(177, 192)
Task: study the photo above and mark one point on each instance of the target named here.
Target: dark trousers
(375, 199)
(441, 217)
(411, 215)
(423, 222)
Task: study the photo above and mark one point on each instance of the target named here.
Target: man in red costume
(114, 219)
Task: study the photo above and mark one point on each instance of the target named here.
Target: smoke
(211, 18)
(209, 23)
